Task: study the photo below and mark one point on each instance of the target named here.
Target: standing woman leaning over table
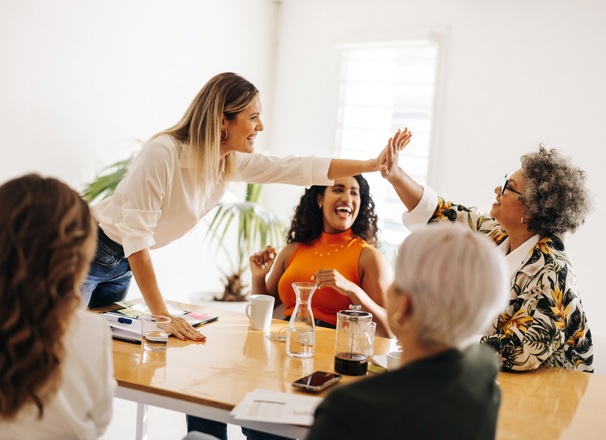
(180, 175)
(544, 323)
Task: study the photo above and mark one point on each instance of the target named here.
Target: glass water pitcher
(301, 335)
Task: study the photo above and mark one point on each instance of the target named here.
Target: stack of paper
(276, 407)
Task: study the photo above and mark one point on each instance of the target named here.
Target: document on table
(133, 310)
(275, 407)
(124, 328)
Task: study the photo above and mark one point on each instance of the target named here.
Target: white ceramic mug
(259, 311)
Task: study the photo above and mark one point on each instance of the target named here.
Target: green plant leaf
(105, 184)
(256, 227)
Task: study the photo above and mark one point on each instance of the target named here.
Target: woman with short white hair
(449, 269)
(450, 282)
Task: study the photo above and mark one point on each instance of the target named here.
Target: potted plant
(255, 225)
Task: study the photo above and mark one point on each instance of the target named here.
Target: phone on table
(317, 381)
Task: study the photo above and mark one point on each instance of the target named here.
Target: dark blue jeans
(219, 429)
(109, 275)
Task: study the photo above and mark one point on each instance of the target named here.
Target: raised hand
(261, 262)
(397, 143)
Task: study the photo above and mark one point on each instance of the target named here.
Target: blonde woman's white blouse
(155, 203)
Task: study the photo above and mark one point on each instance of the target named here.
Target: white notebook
(123, 327)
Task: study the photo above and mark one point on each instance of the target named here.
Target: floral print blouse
(544, 323)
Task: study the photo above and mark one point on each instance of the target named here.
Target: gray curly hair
(556, 198)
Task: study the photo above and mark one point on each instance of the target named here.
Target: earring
(523, 220)
(320, 205)
(223, 137)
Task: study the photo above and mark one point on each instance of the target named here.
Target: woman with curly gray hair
(544, 323)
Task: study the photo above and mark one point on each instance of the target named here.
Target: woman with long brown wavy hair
(56, 371)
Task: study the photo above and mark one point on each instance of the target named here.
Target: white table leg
(141, 421)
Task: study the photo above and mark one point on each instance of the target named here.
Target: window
(383, 88)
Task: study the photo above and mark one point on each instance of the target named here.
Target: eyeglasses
(504, 186)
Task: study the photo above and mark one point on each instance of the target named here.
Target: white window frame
(389, 207)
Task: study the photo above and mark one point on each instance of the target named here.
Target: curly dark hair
(556, 198)
(307, 223)
(47, 240)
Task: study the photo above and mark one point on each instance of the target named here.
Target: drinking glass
(154, 332)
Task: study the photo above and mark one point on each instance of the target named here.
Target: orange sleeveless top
(329, 251)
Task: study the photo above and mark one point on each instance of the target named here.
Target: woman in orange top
(331, 242)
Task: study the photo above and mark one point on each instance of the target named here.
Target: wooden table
(209, 379)
(552, 403)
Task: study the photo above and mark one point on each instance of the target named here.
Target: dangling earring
(320, 205)
(223, 137)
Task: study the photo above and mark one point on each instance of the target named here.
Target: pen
(120, 319)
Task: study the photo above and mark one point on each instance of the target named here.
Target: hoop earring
(523, 220)
(223, 137)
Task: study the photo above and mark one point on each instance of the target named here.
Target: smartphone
(317, 381)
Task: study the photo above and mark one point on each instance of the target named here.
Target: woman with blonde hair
(56, 370)
(180, 175)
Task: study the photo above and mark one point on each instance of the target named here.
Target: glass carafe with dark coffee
(354, 343)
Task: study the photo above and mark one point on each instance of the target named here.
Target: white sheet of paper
(380, 360)
(275, 407)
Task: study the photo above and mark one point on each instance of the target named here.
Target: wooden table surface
(552, 403)
(548, 403)
(232, 361)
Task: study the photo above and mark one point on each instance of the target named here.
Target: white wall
(514, 74)
(81, 80)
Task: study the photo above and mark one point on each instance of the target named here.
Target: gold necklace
(335, 247)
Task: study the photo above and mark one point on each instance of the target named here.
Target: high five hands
(389, 164)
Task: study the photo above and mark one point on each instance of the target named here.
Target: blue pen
(120, 319)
